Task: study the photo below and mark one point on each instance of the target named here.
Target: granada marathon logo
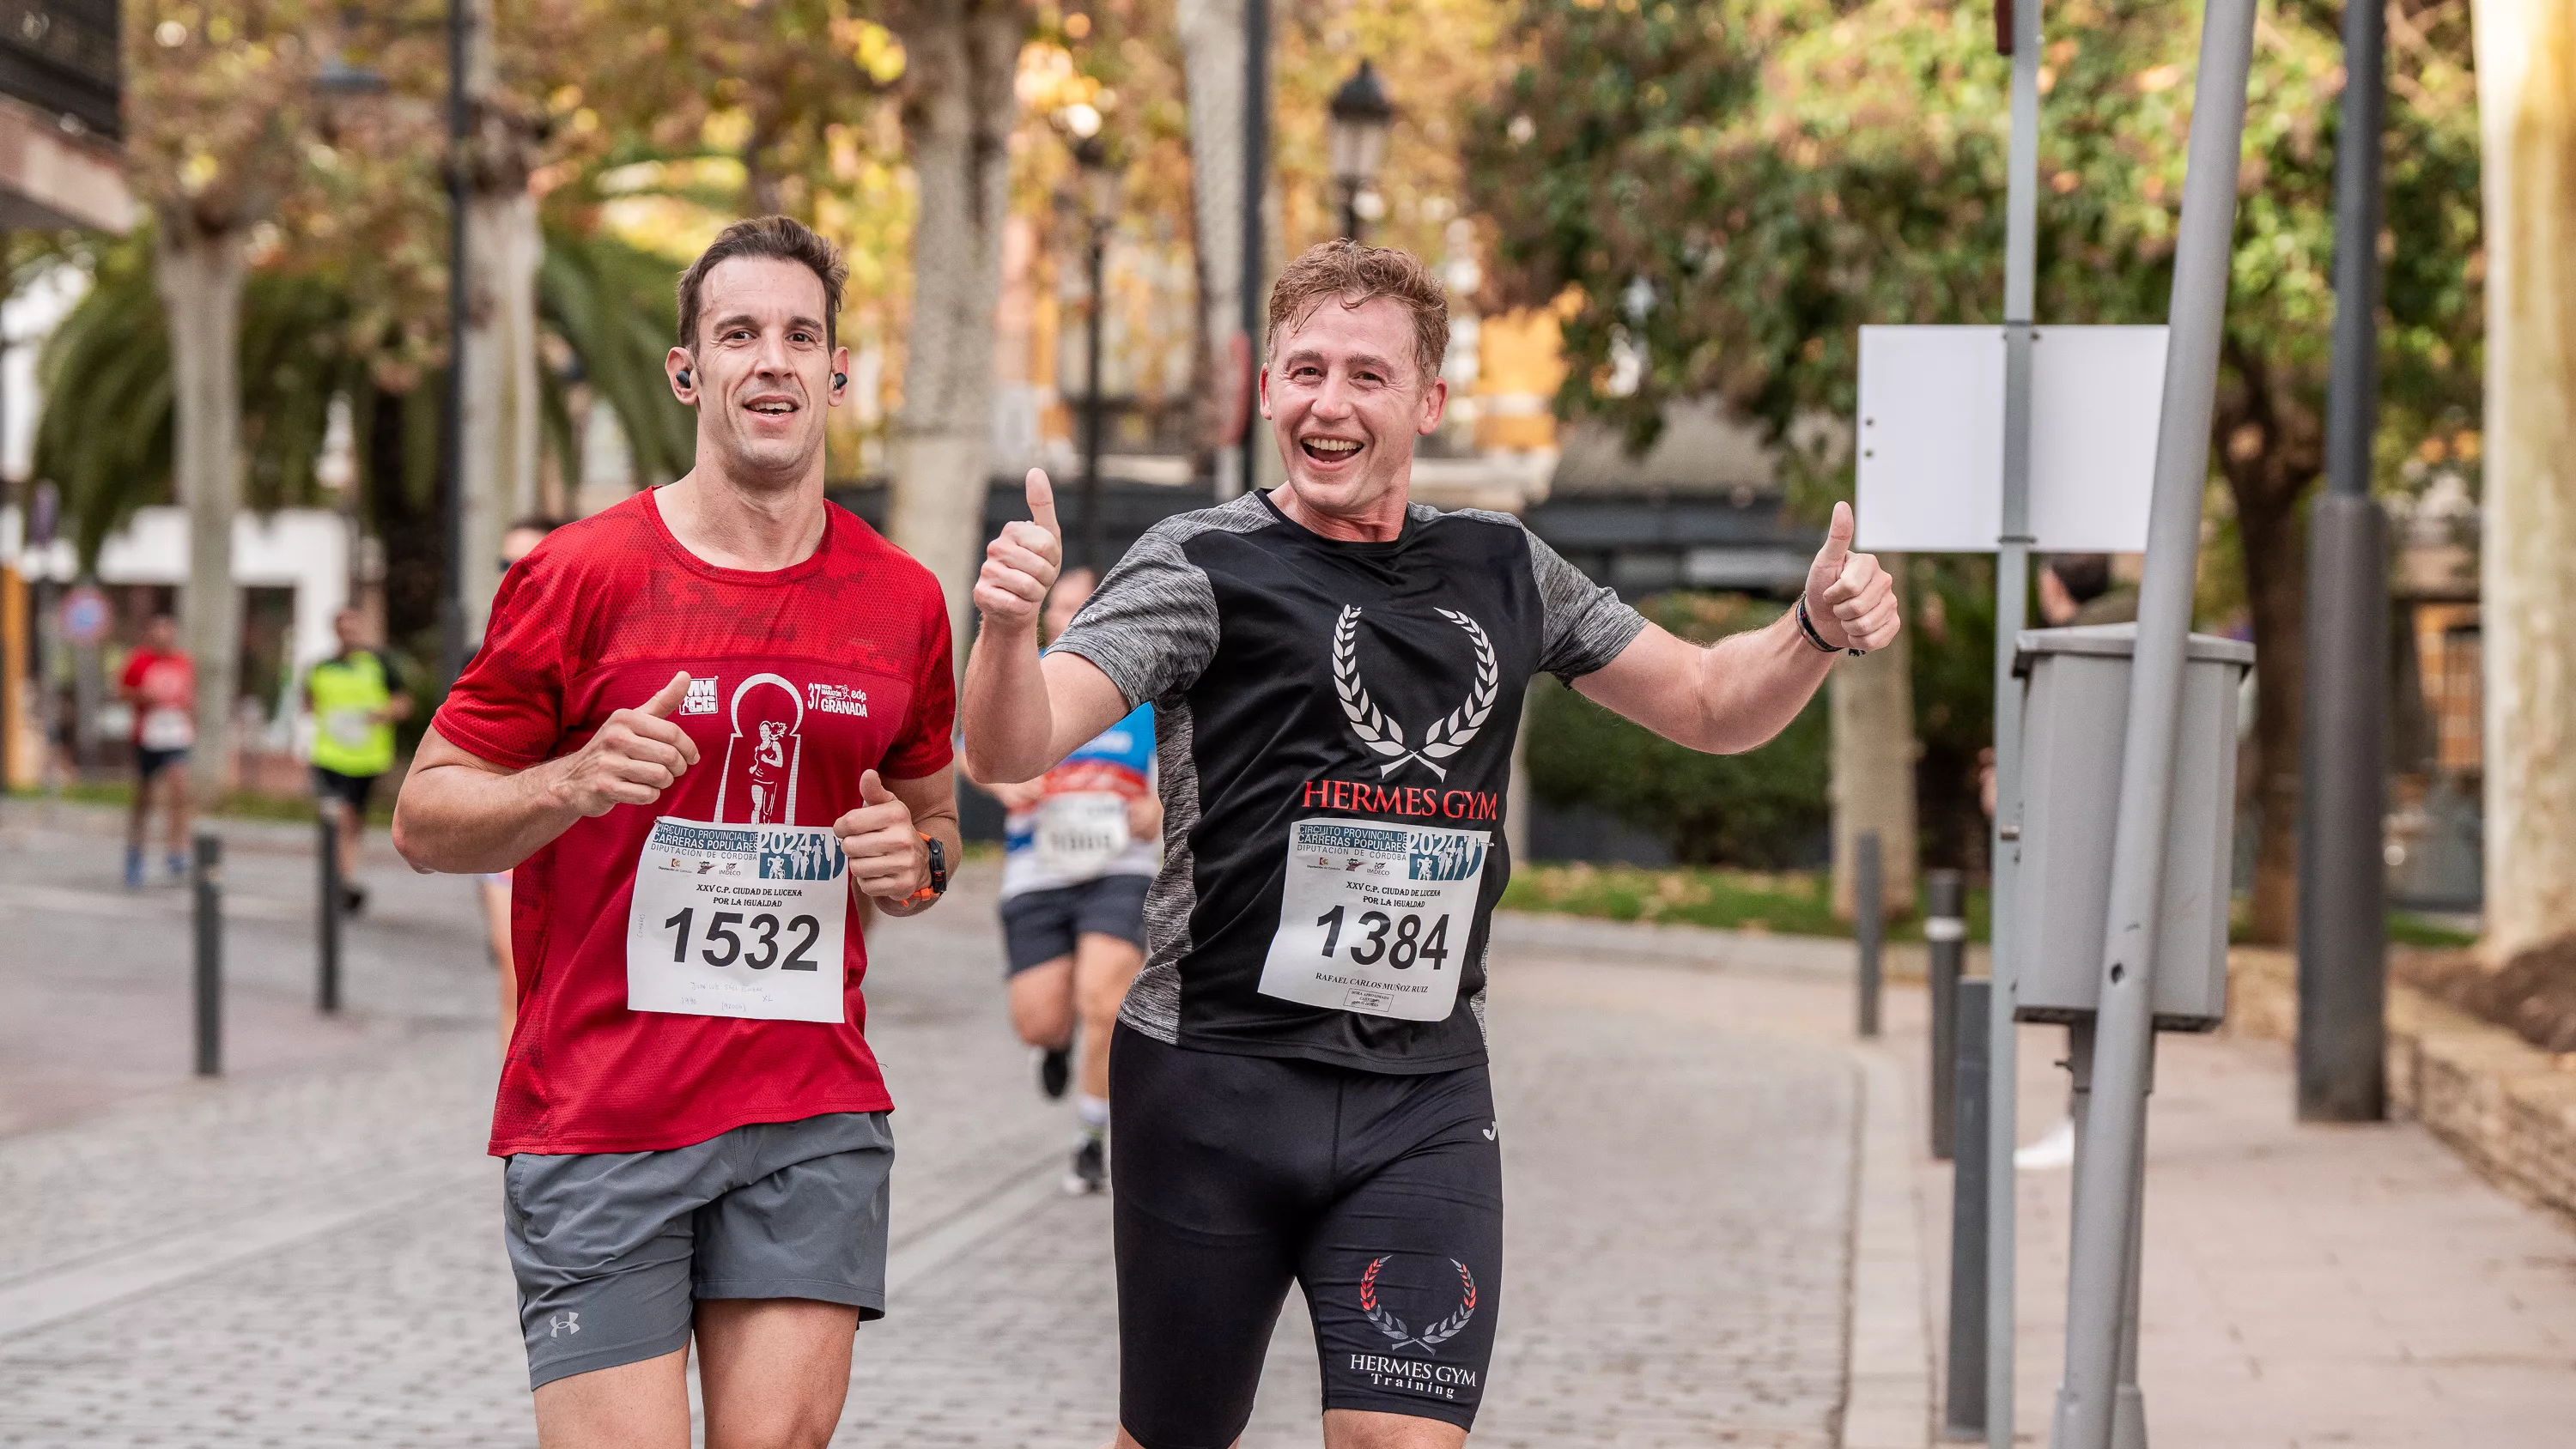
(1386, 1371)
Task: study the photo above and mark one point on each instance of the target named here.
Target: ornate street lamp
(1100, 198)
(1361, 117)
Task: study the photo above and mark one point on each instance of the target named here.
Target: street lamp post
(1100, 213)
(1361, 117)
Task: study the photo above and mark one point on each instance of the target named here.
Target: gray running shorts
(612, 1249)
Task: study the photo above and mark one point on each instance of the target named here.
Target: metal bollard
(327, 988)
(207, 879)
(1963, 1405)
(1869, 924)
(1945, 931)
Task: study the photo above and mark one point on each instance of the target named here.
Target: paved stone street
(307, 1253)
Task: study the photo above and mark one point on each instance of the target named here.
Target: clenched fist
(636, 756)
(887, 857)
(1021, 565)
(1850, 600)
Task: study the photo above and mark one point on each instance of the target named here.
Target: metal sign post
(2107, 1173)
(2012, 591)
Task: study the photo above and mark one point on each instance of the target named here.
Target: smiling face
(1345, 400)
(762, 371)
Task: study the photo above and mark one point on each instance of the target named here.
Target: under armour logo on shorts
(563, 1323)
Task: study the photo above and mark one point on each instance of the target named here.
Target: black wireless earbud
(684, 377)
(840, 379)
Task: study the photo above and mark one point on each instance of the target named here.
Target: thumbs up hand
(1850, 600)
(888, 858)
(1022, 564)
(635, 756)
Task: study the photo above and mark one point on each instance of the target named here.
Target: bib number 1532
(725, 945)
(739, 920)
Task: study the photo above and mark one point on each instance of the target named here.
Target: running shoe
(133, 870)
(2050, 1153)
(1090, 1170)
(1055, 1071)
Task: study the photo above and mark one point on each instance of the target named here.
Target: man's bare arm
(1738, 693)
(1021, 712)
(461, 814)
(1725, 699)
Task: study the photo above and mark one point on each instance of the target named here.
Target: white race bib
(1079, 834)
(1375, 917)
(350, 728)
(166, 727)
(738, 920)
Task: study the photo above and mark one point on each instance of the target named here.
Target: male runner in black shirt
(1337, 677)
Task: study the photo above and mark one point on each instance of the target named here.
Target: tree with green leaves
(1731, 188)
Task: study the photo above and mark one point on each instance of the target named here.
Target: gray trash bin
(2075, 710)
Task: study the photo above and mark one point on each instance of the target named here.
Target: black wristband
(1807, 627)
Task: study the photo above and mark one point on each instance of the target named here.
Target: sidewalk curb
(2505, 1106)
(1887, 1384)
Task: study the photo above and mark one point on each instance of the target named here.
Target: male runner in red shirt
(694, 714)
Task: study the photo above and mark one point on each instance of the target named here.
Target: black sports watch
(938, 870)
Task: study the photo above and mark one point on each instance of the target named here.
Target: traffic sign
(86, 615)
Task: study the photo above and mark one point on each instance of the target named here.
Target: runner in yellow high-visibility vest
(356, 700)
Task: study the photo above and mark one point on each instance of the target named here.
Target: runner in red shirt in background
(688, 709)
(160, 682)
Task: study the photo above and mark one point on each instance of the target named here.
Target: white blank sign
(1931, 437)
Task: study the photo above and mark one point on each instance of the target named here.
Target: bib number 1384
(1371, 915)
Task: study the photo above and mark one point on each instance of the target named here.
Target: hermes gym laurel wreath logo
(1383, 1319)
(1446, 736)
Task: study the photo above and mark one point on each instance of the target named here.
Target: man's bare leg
(1041, 1000)
(775, 1370)
(632, 1406)
(1103, 968)
(496, 930)
(175, 781)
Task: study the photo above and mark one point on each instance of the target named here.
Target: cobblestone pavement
(308, 1254)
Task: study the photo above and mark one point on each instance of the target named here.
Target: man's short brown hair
(782, 237)
(1354, 275)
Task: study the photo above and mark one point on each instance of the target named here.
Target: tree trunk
(2526, 62)
(199, 274)
(1872, 701)
(502, 391)
(1212, 62)
(500, 428)
(958, 108)
(2276, 589)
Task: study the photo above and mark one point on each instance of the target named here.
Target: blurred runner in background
(518, 543)
(356, 698)
(1080, 846)
(160, 682)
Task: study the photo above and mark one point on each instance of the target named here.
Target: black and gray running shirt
(1348, 710)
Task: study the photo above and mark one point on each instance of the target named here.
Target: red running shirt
(833, 667)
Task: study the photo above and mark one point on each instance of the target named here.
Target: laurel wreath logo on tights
(1385, 736)
(1384, 1320)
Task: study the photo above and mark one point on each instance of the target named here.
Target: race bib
(168, 728)
(738, 920)
(1079, 834)
(1375, 917)
(350, 728)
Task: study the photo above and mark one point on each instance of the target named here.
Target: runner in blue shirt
(1080, 846)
